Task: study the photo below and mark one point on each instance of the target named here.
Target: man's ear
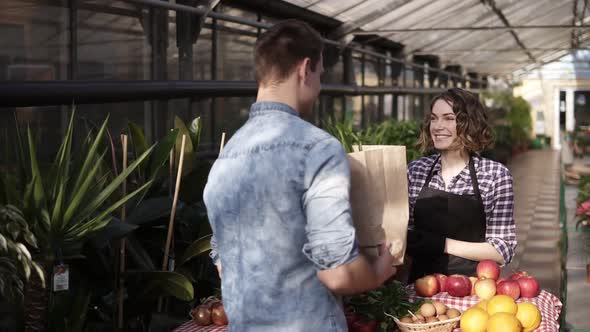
(304, 69)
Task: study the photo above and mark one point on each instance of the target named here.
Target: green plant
(344, 132)
(384, 302)
(16, 263)
(390, 132)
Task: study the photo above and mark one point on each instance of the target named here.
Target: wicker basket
(444, 326)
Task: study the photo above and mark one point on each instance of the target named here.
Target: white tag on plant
(61, 278)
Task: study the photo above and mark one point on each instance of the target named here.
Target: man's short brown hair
(474, 132)
(283, 46)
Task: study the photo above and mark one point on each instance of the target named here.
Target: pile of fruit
(501, 314)
(430, 313)
(209, 312)
(485, 285)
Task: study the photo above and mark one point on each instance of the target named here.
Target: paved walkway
(536, 189)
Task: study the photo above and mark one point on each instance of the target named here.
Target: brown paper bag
(379, 198)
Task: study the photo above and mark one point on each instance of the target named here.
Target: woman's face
(443, 126)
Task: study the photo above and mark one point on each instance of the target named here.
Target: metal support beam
(492, 5)
(44, 93)
(229, 18)
(349, 27)
(471, 28)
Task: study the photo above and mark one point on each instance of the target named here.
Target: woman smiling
(461, 205)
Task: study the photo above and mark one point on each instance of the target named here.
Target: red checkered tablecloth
(549, 305)
(191, 326)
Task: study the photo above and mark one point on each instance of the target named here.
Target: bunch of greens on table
(389, 300)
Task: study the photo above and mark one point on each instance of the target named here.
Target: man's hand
(384, 264)
(359, 275)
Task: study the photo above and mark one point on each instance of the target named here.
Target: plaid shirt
(495, 186)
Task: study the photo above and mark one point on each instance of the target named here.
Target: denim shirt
(278, 203)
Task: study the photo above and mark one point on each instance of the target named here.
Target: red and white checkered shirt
(495, 186)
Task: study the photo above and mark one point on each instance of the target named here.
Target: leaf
(30, 238)
(98, 222)
(163, 283)
(195, 132)
(138, 254)
(94, 204)
(40, 272)
(198, 247)
(188, 148)
(162, 152)
(3, 243)
(78, 196)
(90, 157)
(139, 142)
(115, 229)
(60, 167)
(150, 210)
(39, 198)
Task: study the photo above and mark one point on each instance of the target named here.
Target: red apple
(458, 285)
(351, 318)
(510, 288)
(529, 286)
(488, 269)
(500, 280)
(426, 286)
(442, 282)
(365, 326)
(472, 280)
(518, 274)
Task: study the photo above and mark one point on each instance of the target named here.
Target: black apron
(458, 217)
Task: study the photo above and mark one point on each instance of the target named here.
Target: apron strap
(472, 174)
(429, 177)
(474, 181)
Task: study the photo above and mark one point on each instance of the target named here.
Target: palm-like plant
(66, 204)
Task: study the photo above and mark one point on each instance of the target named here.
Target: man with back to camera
(278, 202)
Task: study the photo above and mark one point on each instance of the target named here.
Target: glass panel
(202, 55)
(46, 124)
(34, 40)
(354, 110)
(371, 70)
(235, 47)
(113, 45)
(230, 115)
(371, 109)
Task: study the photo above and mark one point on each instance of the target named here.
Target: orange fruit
(529, 316)
(503, 322)
(502, 303)
(474, 320)
(483, 304)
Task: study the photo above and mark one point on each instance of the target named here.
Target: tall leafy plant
(66, 204)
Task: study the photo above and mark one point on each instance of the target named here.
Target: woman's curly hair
(474, 132)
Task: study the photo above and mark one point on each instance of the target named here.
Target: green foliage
(514, 113)
(16, 263)
(390, 132)
(381, 304)
(584, 189)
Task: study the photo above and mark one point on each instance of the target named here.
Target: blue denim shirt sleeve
(330, 233)
(214, 254)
